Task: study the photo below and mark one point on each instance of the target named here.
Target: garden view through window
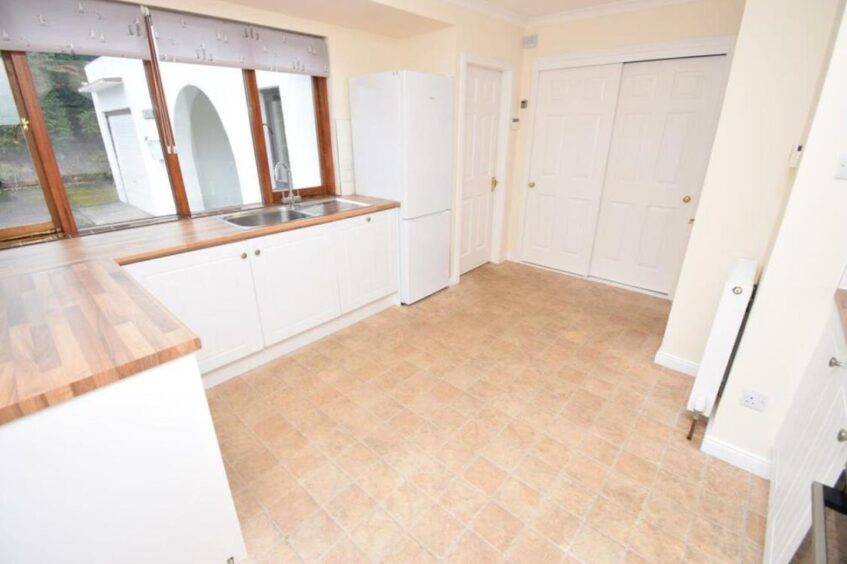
(103, 131)
(21, 197)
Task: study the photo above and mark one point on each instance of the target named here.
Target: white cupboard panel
(296, 281)
(806, 449)
(366, 257)
(211, 291)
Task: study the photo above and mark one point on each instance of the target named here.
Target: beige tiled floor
(517, 416)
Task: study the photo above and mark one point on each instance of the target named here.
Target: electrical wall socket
(754, 400)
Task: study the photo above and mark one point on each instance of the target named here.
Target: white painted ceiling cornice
(504, 10)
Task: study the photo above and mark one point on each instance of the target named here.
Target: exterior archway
(206, 157)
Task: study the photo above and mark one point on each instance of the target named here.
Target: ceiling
(531, 11)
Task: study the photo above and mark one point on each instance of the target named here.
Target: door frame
(698, 47)
(498, 211)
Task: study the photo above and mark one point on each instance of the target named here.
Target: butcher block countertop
(71, 320)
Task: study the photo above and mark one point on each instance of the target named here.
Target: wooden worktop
(71, 320)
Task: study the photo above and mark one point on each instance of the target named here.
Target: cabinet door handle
(257, 252)
(368, 219)
(842, 436)
(244, 255)
(833, 362)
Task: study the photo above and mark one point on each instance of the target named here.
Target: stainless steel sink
(326, 207)
(262, 217)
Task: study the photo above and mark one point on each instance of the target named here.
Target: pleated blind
(189, 38)
(84, 27)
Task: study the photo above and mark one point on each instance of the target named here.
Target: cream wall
(687, 20)
(795, 297)
(772, 87)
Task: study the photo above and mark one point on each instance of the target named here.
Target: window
(23, 206)
(289, 123)
(208, 110)
(100, 119)
(104, 127)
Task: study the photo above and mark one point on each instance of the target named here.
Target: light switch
(841, 172)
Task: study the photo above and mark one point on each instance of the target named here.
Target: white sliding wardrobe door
(479, 162)
(573, 125)
(665, 124)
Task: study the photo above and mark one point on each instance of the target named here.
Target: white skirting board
(224, 373)
(673, 362)
(739, 458)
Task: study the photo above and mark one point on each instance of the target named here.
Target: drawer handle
(833, 362)
(842, 436)
(368, 219)
(257, 252)
(244, 255)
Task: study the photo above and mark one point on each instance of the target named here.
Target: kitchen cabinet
(296, 281)
(243, 297)
(366, 253)
(808, 447)
(211, 291)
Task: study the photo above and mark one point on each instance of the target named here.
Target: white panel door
(296, 281)
(211, 291)
(664, 128)
(133, 175)
(573, 125)
(479, 161)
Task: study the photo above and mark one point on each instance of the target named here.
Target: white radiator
(726, 329)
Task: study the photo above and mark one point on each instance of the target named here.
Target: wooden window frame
(41, 152)
(164, 125)
(323, 128)
(47, 167)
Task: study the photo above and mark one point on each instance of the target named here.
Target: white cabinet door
(296, 281)
(211, 291)
(573, 125)
(366, 251)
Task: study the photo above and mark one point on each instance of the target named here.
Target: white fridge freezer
(402, 124)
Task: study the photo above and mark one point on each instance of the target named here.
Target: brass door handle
(532, 184)
(494, 183)
(686, 199)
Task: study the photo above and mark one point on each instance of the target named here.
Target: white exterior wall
(133, 94)
(225, 89)
(298, 111)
